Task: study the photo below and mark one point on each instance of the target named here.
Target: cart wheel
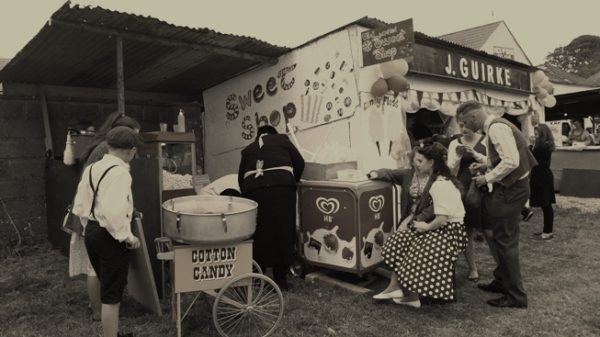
(256, 268)
(249, 305)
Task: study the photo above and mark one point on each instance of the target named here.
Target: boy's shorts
(110, 260)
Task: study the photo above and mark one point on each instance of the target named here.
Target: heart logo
(376, 203)
(328, 206)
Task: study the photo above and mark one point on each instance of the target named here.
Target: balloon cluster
(543, 89)
(393, 78)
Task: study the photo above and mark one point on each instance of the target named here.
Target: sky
(539, 26)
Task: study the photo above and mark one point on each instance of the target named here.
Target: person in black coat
(269, 170)
(542, 179)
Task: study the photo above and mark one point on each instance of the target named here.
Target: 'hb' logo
(376, 203)
(328, 206)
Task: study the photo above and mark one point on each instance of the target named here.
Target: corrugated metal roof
(474, 37)
(77, 48)
(594, 79)
(557, 75)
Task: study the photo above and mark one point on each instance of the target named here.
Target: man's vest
(526, 159)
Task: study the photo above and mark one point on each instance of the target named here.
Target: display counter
(577, 170)
(344, 224)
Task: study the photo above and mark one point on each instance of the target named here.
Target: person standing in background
(269, 170)
(578, 134)
(508, 165)
(105, 206)
(542, 179)
(79, 262)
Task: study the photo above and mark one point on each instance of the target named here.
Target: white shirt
(446, 200)
(454, 158)
(504, 142)
(114, 203)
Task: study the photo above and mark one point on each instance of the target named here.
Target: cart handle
(164, 248)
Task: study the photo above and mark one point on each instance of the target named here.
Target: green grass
(562, 278)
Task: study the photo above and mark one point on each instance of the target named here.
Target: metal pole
(178, 315)
(120, 77)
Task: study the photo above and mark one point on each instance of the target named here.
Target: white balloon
(395, 67)
(538, 77)
(541, 93)
(402, 67)
(549, 101)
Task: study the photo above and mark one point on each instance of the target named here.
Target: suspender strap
(95, 190)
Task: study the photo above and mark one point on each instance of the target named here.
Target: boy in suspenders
(105, 207)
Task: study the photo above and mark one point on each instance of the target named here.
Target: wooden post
(120, 77)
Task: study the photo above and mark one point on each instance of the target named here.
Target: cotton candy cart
(207, 244)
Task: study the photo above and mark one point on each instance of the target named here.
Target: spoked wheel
(256, 268)
(248, 305)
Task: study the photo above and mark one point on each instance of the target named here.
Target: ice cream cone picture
(375, 120)
(395, 126)
(310, 108)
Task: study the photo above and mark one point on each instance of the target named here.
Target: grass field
(562, 278)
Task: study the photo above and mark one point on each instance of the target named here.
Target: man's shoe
(504, 302)
(527, 215)
(491, 287)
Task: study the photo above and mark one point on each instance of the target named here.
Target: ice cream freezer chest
(343, 225)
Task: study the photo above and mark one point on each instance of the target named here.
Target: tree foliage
(580, 57)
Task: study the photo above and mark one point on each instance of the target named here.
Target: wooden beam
(164, 41)
(120, 77)
(101, 95)
(149, 76)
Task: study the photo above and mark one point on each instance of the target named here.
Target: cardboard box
(316, 171)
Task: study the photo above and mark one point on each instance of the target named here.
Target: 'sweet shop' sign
(392, 42)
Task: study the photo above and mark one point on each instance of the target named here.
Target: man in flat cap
(105, 207)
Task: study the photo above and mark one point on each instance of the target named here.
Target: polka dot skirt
(424, 262)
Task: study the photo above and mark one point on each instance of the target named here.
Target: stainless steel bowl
(207, 219)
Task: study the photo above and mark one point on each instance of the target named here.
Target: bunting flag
(430, 98)
(419, 97)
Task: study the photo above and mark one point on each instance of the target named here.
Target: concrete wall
(22, 191)
(22, 150)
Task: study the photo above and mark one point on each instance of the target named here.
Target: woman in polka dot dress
(422, 256)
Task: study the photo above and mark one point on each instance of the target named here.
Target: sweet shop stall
(353, 100)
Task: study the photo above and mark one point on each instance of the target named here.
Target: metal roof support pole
(120, 77)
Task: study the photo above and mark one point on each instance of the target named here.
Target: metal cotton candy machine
(207, 219)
